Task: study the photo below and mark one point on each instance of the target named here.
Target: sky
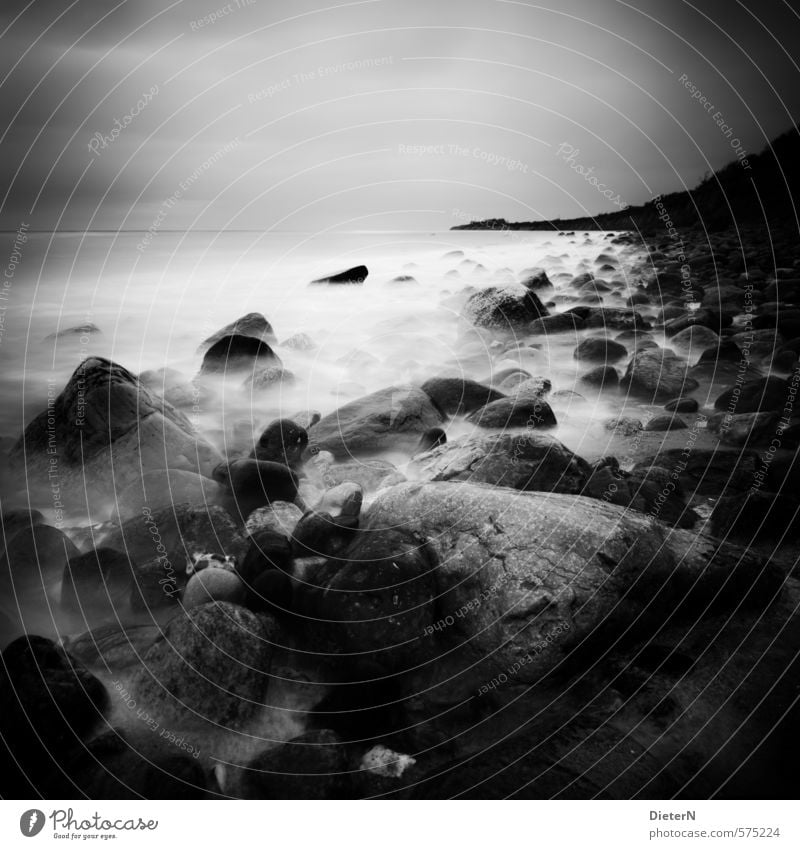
(377, 114)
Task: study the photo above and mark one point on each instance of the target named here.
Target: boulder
(253, 325)
(532, 461)
(211, 585)
(238, 353)
(97, 585)
(174, 387)
(160, 488)
(210, 666)
(755, 396)
(519, 581)
(682, 405)
(519, 411)
(503, 307)
(278, 516)
(704, 471)
(350, 276)
(49, 704)
(703, 317)
(604, 377)
(595, 350)
(283, 441)
(389, 418)
(657, 375)
(102, 432)
(250, 484)
(659, 424)
(456, 396)
(743, 428)
(34, 561)
(694, 340)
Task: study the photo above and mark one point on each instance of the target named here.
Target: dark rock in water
(392, 417)
(662, 423)
(755, 396)
(238, 353)
(34, 560)
(253, 325)
(529, 462)
(271, 592)
(784, 360)
(432, 438)
(112, 647)
(529, 412)
(702, 317)
(351, 276)
(283, 441)
(18, 518)
(253, 483)
(499, 608)
(609, 318)
(456, 396)
(49, 704)
(97, 584)
(606, 377)
(267, 378)
(322, 535)
(88, 329)
(162, 765)
(404, 279)
(694, 340)
(599, 351)
(104, 430)
(757, 515)
(657, 375)
(312, 766)
(682, 405)
(743, 428)
(503, 307)
(211, 665)
(564, 322)
(705, 471)
(381, 596)
(536, 279)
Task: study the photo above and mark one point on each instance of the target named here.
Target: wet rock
(211, 665)
(251, 484)
(703, 471)
(657, 375)
(112, 647)
(278, 516)
(431, 439)
(269, 550)
(594, 350)
(311, 766)
(161, 488)
(283, 441)
(503, 307)
(605, 377)
(253, 325)
(350, 276)
(754, 396)
(624, 425)
(743, 428)
(702, 317)
(693, 341)
(663, 423)
(322, 535)
(456, 396)
(343, 500)
(682, 405)
(34, 560)
(49, 704)
(528, 462)
(370, 473)
(107, 429)
(757, 515)
(525, 411)
(211, 585)
(390, 418)
(238, 353)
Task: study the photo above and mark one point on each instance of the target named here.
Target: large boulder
(390, 418)
(456, 395)
(236, 353)
(756, 396)
(509, 307)
(704, 471)
(102, 433)
(532, 461)
(160, 488)
(519, 411)
(452, 584)
(210, 666)
(599, 350)
(656, 374)
(253, 324)
(49, 704)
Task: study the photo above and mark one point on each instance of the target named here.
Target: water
(154, 307)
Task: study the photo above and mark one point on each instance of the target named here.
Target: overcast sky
(376, 115)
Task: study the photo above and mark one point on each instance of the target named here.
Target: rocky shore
(425, 593)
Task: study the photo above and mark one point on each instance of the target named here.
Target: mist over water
(154, 306)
